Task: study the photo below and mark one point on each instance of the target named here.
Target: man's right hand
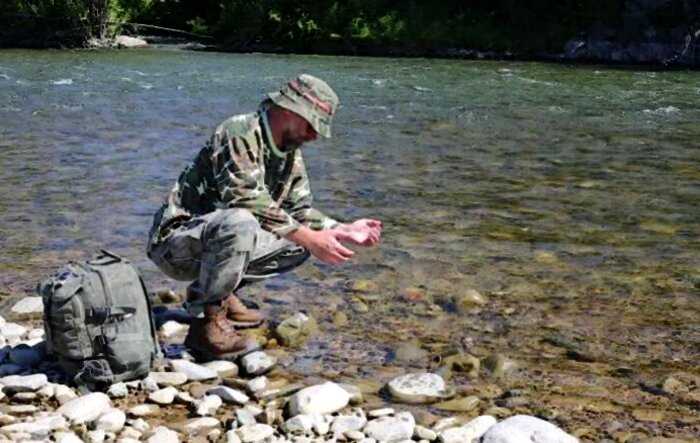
(325, 245)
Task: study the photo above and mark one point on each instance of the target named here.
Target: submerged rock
(124, 41)
(419, 388)
(498, 365)
(522, 428)
(325, 398)
(391, 429)
(465, 404)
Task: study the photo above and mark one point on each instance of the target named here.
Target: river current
(568, 196)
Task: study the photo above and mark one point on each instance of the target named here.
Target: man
(242, 212)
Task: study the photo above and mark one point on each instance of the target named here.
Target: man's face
(299, 131)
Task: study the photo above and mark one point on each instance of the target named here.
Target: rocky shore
(249, 401)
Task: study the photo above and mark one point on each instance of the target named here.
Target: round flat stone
(419, 388)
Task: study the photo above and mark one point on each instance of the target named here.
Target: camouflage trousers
(222, 251)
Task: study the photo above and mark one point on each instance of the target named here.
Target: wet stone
(257, 363)
(295, 330)
(521, 428)
(419, 388)
(469, 300)
(87, 408)
(391, 429)
(465, 404)
(325, 398)
(254, 433)
(193, 371)
(498, 365)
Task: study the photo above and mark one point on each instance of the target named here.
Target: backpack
(98, 321)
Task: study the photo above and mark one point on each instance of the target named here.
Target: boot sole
(202, 355)
(246, 324)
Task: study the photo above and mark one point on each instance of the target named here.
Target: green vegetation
(498, 25)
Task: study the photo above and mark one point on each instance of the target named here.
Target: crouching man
(242, 211)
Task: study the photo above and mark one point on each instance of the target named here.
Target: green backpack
(98, 321)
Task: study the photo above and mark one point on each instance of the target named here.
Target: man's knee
(235, 228)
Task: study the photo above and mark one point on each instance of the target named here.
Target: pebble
(67, 437)
(356, 396)
(245, 416)
(301, 423)
(465, 404)
(521, 428)
(232, 437)
(163, 435)
(193, 371)
(129, 432)
(325, 398)
(376, 413)
(208, 405)
(48, 391)
(12, 330)
(163, 396)
(254, 433)
(29, 305)
(40, 428)
(422, 433)
(229, 395)
(354, 435)
(23, 383)
(223, 368)
(295, 330)
(257, 384)
(64, 394)
(391, 429)
(36, 333)
(118, 390)
(144, 410)
(345, 423)
(418, 388)
(168, 378)
(96, 436)
(257, 363)
(111, 421)
(198, 424)
(87, 408)
(172, 328)
(21, 409)
(24, 397)
(148, 385)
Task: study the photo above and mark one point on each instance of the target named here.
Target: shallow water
(568, 196)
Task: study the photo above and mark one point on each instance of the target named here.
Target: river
(567, 196)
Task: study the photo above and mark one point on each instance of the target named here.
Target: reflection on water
(567, 196)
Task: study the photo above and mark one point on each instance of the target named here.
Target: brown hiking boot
(239, 314)
(214, 337)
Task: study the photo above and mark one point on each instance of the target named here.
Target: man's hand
(324, 245)
(362, 232)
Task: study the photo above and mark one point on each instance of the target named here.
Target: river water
(567, 196)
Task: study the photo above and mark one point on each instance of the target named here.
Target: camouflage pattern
(240, 167)
(312, 99)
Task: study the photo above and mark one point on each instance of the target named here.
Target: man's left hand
(362, 232)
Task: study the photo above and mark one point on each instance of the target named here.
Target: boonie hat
(312, 99)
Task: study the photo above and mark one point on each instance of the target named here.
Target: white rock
(322, 423)
(229, 395)
(208, 405)
(39, 428)
(87, 408)
(354, 435)
(245, 416)
(96, 436)
(21, 409)
(127, 440)
(67, 437)
(184, 397)
(29, 305)
(129, 42)
(197, 424)
(36, 333)
(144, 410)
(257, 384)
(163, 396)
(163, 435)
(48, 391)
(2, 321)
(168, 378)
(299, 423)
(222, 367)
(345, 423)
(111, 421)
(444, 423)
(522, 428)
(325, 398)
(118, 390)
(418, 388)
(12, 330)
(232, 437)
(422, 433)
(468, 432)
(148, 385)
(193, 371)
(376, 413)
(64, 394)
(391, 429)
(129, 432)
(172, 328)
(140, 425)
(257, 363)
(368, 440)
(23, 383)
(254, 433)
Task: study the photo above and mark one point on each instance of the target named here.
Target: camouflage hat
(312, 99)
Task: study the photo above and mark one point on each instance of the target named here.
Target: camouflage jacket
(240, 167)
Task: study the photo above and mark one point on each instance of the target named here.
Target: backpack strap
(108, 314)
